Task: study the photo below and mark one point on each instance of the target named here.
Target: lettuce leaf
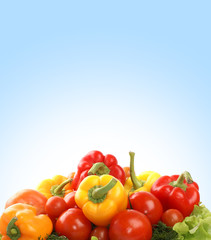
(196, 226)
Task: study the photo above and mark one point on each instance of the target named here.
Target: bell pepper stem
(185, 175)
(136, 182)
(97, 194)
(99, 169)
(101, 191)
(13, 232)
(58, 190)
(180, 180)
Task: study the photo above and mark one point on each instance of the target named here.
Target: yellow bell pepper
(100, 198)
(142, 182)
(19, 221)
(57, 186)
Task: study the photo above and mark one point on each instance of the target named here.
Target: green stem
(13, 232)
(99, 169)
(129, 202)
(136, 182)
(180, 180)
(94, 238)
(58, 190)
(98, 194)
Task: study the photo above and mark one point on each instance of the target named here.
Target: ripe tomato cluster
(135, 223)
(143, 211)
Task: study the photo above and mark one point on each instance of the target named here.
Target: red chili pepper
(178, 192)
(96, 163)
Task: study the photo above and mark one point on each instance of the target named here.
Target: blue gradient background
(108, 75)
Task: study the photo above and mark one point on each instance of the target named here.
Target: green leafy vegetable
(163, 232)
(196, 226)
(54, 236)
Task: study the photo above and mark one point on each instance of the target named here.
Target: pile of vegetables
(105, 201)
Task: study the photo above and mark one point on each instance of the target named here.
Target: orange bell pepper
(29, 196)
(100, 198)
(57, 186)
(19, 221)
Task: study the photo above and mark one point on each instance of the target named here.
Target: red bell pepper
(95, 162)
(178, 192)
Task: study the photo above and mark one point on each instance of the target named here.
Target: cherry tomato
(100, 232)
(31, 197)
(130, 224)
(73, 224)
(171, 217)
(127, 172)
(148, 204)
(53, 220)
(55, 206)
(70, 200)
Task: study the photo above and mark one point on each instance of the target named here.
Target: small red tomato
(130, 224)
(55, 206)
(73, 224)
(148, 204)
(100, 232)
(171, 217)
(70, 200)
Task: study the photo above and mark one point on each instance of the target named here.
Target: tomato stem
(94, 238)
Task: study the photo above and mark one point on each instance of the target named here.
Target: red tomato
(171, 217)
(29, 196)
(70, 200)
(148, 204)
(73, 224)
(130, 224)
(55, 206)
(100, 232)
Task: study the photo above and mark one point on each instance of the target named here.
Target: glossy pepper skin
(29, 196)
(142, 182)
(57, 186)
(178, 192)
(100, 198)
(19, 221)
(108, 164)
